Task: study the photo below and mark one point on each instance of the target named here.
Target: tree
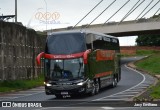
(148, 40)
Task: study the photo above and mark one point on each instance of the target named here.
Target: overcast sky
(64, 13)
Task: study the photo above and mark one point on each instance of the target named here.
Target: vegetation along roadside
(11, 86)
(150, 65)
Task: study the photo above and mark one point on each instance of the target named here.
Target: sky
(64, 13)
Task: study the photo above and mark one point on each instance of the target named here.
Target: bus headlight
(80, 84)
(48, 85)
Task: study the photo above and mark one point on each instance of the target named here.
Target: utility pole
(46, 13)
(15, 10)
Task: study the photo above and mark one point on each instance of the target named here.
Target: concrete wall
(18, 48)
(128, 50)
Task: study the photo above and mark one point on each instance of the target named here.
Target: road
(131, 84)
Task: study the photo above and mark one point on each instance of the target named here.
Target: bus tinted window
(65, 43)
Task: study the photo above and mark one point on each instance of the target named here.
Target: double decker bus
(77, 62)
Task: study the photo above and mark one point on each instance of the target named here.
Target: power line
(156, 12)
(150, 8)
(144, 10)
(101, 13)
(88, 13)
(130, 11)
(15, 10)
(117, 11)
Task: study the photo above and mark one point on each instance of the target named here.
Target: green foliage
(150, 64)
(148, 40)
(146, 52)
(155, 91)
(7, 86)
(141, 53)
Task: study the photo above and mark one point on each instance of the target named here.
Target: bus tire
(114, 82)
(97, 88)
(93, 92)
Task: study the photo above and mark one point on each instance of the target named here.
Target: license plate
(64, 93)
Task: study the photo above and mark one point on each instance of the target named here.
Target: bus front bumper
(66, 90)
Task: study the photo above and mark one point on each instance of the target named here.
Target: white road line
(121, 96)
(141, 87)
(7, 97)
(120, 99)
(26, 91)
(144, 84)
(135, 90)
(36, 89)
(18, 94)
(144, 78)
(107, 108)
(129, 92)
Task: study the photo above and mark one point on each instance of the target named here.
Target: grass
(141, 53)
(8, 86)
(152, 66)
(155, 91)
(146, 52)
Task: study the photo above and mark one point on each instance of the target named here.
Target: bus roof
(82, 31)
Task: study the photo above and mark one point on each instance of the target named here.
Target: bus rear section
(73, 66)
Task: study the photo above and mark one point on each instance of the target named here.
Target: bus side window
(89, 41)
(98, 43)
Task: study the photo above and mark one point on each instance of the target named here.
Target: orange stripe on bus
(103, 74)
(105, 55)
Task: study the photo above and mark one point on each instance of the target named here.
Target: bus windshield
(65, 69)
(67, 43)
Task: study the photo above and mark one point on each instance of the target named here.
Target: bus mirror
(38, 59)
(85, 56)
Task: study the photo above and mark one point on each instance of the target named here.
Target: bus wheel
(114, 82)
(97, 88)
(93, 92)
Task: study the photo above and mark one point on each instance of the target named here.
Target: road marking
(119, 99)
(129, 92)
(36, 89)
(18, 94)
(107, 108)
(141, 87)
(135, 90)
(144, 78)
(7, 97)
(122, 96)
(27, 91)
